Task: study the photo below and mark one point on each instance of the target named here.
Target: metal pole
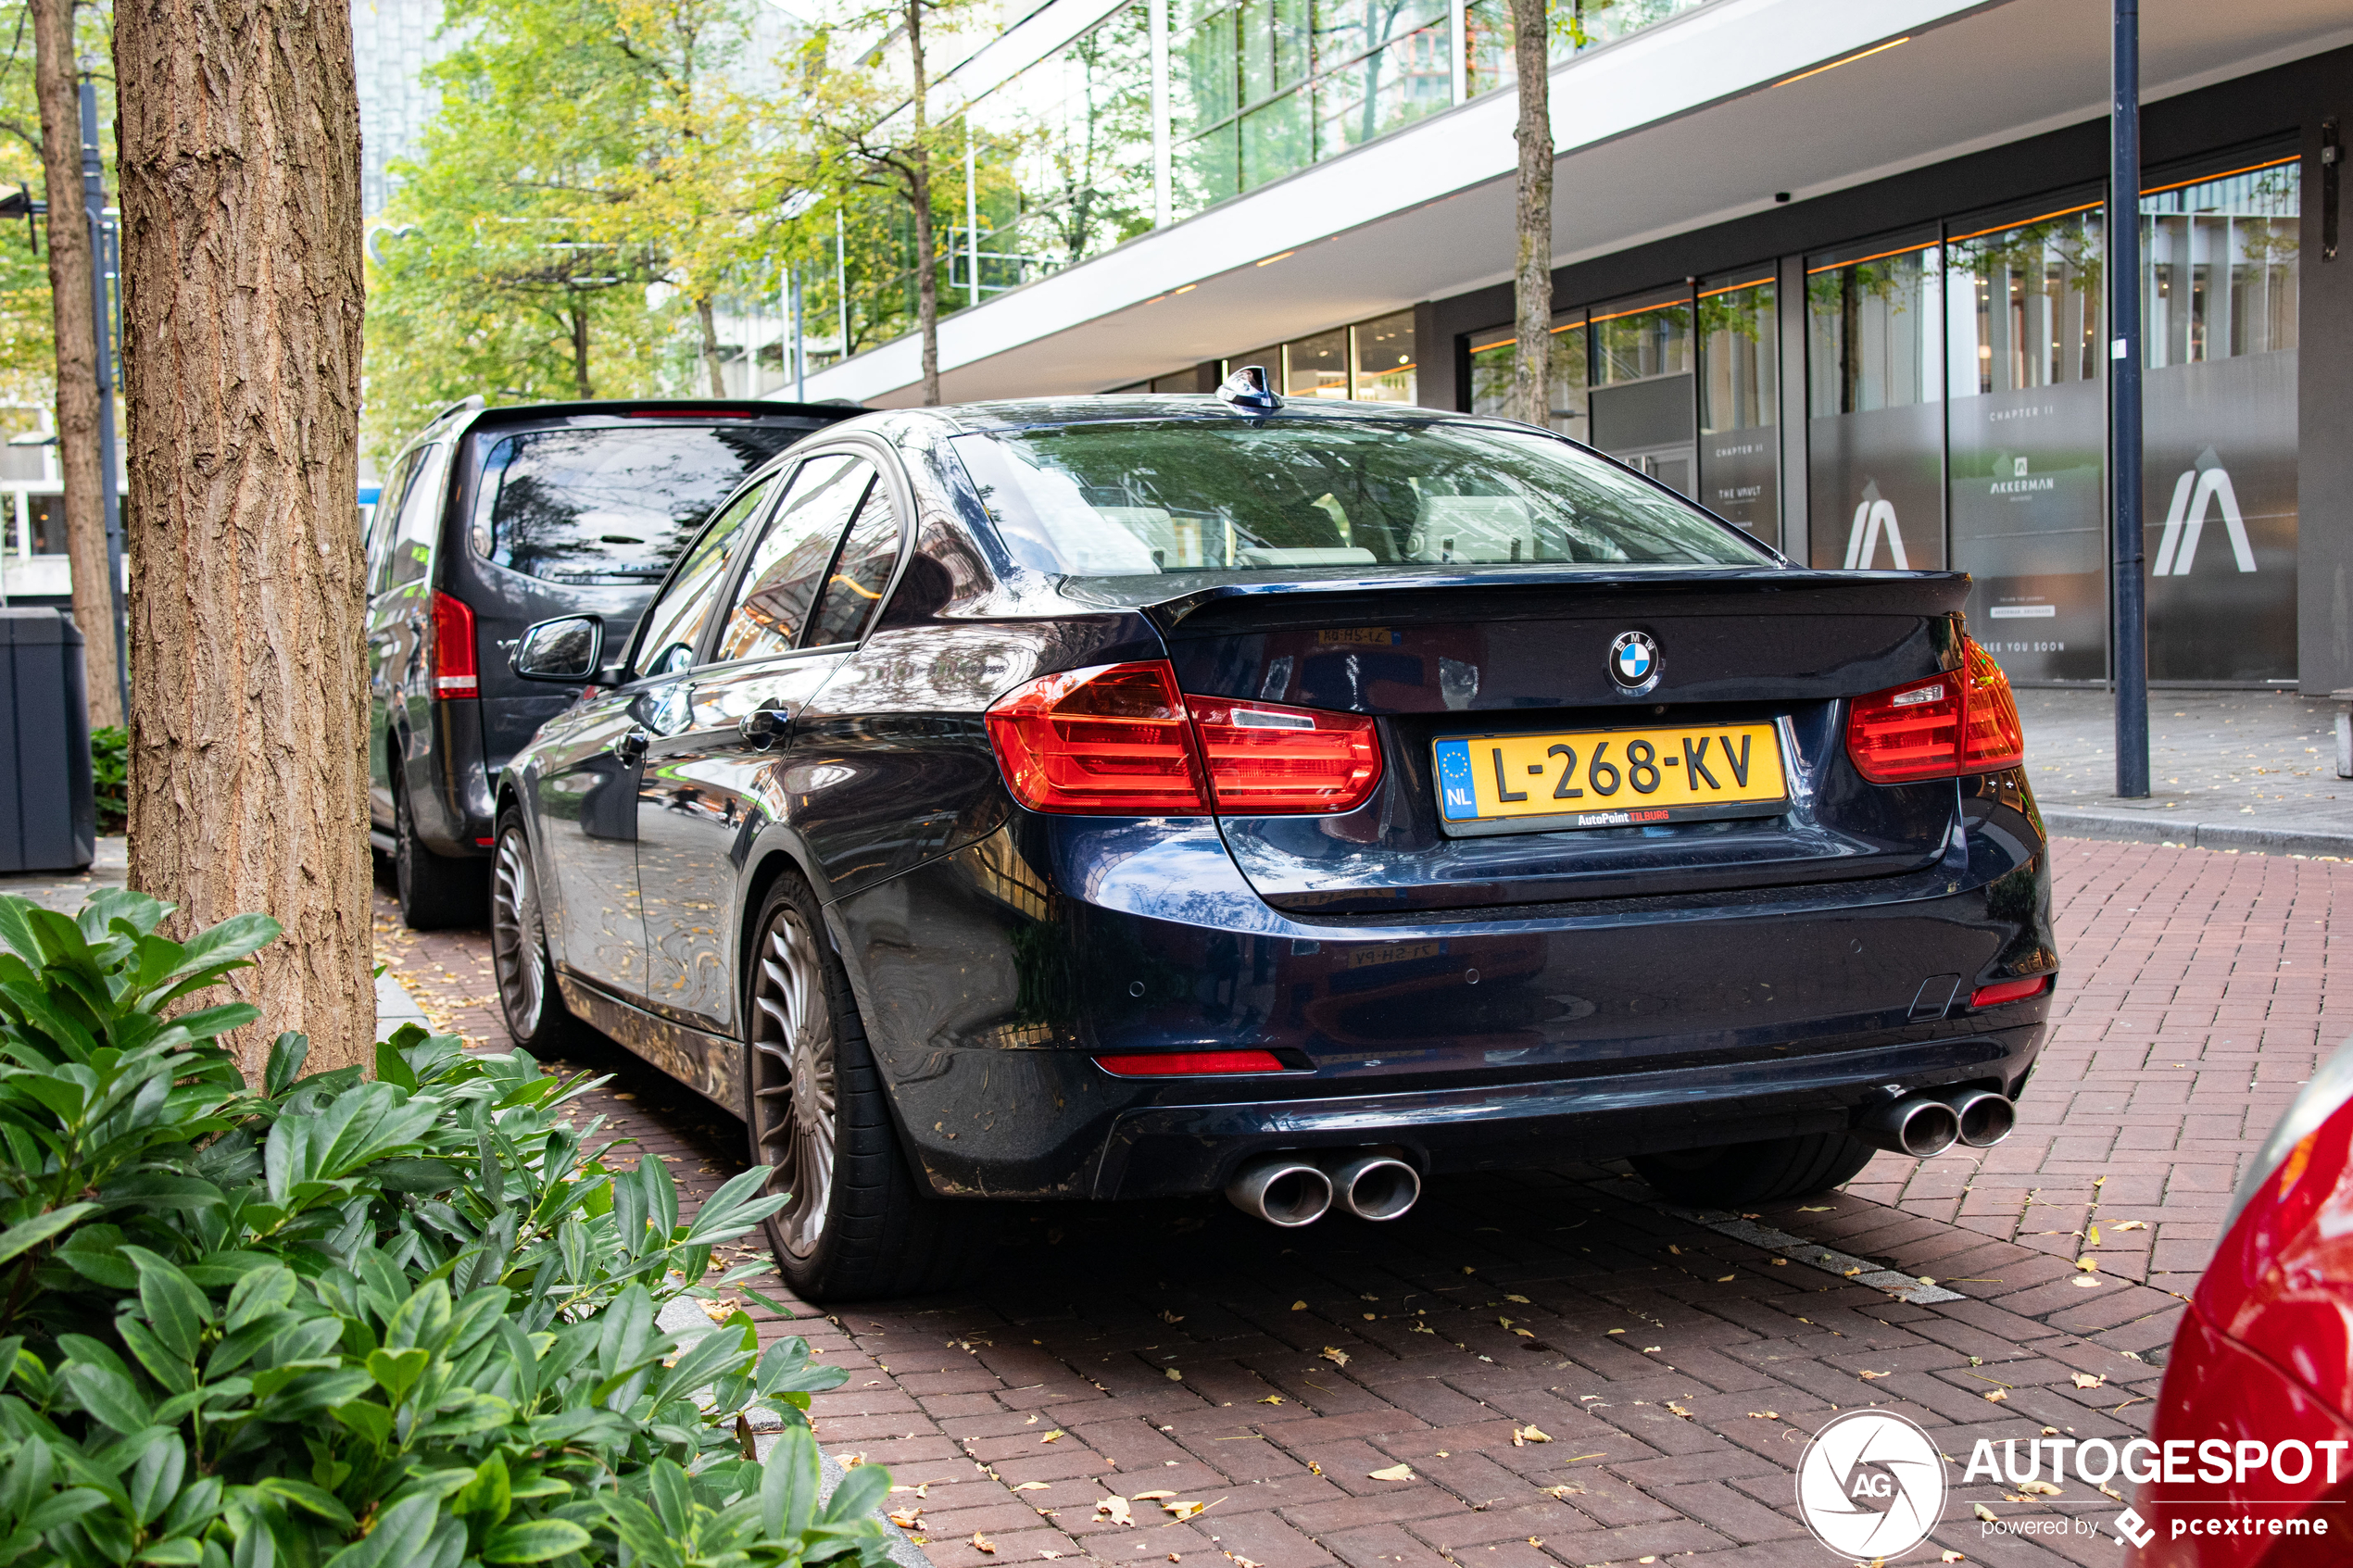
(2124, 407)
(103, 263)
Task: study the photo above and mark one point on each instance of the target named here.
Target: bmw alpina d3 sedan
(1107, 798)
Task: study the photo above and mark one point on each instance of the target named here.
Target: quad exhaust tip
(1916, 1125)
(1293, 1189)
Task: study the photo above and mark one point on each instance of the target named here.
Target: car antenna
(1247, 389)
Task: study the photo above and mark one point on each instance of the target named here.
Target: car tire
(859, 1225)
(435, 891)
(1732, 1175)
(534, 1009)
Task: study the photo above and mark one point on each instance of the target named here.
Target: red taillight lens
(1110, 740)
(1174, 1064)
(1265, 759)
(2009, 991)
(1962, 722)
(451, 669)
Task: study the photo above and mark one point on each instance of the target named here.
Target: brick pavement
(1674, 1373)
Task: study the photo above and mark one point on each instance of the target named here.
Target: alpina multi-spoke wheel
(859, 1224)
(535, 1016)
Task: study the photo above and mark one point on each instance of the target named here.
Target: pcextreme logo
(2206, 484)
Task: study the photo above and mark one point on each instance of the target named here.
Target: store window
(1740, 436)
(1875, 413)
(1643, 398)
(2027, 433)
(1495, 355)
(2219, 487)
(1317, 367)
(1382, 371)
(1382, 64)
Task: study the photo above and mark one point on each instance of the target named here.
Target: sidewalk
(2245, 769)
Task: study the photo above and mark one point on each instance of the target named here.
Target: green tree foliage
(28, 350)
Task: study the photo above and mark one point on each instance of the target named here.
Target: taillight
(1961, 721)
(1120, 739)
(451, 668)
(1172, 1064)
(2009, 991)
(1266, 760)
(1111, 739)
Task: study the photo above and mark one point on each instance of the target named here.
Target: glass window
(1494, 358)
(1384, 359)
(1186, 381)
(1277, 139)
(613, 503)
(416, 534)
(2027, 435)
(1577, 24)
(1739, 463)
(2219, 410)
(781, 579)
(855, 587)
(388, 512)
(1317, 367)
(673, 628)
(47, 514)
(1139, 497)
(1402, 79)
(1875, 429)
(1642, 398)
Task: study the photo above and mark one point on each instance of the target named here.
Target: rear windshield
(1143, 496)
(610, 504)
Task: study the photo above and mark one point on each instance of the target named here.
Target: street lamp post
(2124, 405)
(103, 263)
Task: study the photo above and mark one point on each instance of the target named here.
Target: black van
(492, 518)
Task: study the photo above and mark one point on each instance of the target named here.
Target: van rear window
(611, 504)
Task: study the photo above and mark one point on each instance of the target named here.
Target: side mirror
(565, 650)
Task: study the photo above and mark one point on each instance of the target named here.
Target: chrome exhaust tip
(1916, 1125)
(1282, 1189)
(1986, 1117)
(1376, 1186)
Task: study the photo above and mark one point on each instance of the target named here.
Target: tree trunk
(1532, 273)
(239, 152)
(73, 312)
(919, 192)
(582, 387)
(704, 314)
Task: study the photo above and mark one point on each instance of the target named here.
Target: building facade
(1835, 270)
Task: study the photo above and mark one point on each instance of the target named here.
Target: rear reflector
(1108, 740)
(1173, 1064)
(451, 667)
(2009, 991)
(1265, 759)
(1962, 722)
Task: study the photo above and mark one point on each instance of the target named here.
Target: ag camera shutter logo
(1870, 1484)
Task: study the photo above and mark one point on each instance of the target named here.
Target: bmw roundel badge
(1633, 662)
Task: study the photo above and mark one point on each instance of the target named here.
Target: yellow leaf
(2132, 1225)
(2087, 1264)
(905, 1517)
(1996, 1396)
(1182, 1510)
(1115, 1510)
(2085, 1380)
(1523, 1435)
(1679, 1409)
(1866, 1376)
(1649, 1350)
(1172, 1375)
(1675, 1250)
(1725, 1279)
(1272, 1399)
(2039, 1488)
(1337, 1357)
(1617, 1331)
(1823, 1210)
(1951, 1556)
(1418, 1327)
(2090, 1235)
(1148, 1497)
(2085, 1280)
(1168, 1316)
(851, 1462)
(1509, 1297)
(1299, 1306)
(1050, 1437)
(1031, 1486)
(1394, 1473)
(1987, 1514)
(982, 1543)
(1764, 1415)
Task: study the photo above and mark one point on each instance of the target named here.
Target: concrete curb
(2138, 827)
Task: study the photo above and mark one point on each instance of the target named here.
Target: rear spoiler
(1243, 604)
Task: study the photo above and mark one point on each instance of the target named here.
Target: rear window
(610, 504)
(1144, 496)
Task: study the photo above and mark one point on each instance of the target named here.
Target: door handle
(630, 746)
(762, 727)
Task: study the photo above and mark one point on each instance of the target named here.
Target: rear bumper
(988, 979)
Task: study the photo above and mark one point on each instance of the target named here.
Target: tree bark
(707, 318)
(1532, 273)
(73, 312)
(239, 151)
(582, 387)
(919, 192)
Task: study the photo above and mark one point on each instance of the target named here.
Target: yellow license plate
(1608, 778)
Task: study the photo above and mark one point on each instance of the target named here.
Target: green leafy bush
(356, 1322)
(110, 772)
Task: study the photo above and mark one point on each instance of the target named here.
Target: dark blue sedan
(1102, 798)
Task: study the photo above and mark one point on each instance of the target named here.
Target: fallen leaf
(1525, 1334)
(1115, 1510)
(1675, 1250)
(1679, 1409)
(982, 1543)
(1850, 1273)
(1420, 1327)
(1823, 1210)
(2087, 1264)
(1168, 1316)
(1299, 1306)
(2090, 1235)
(1523, 1435)
(1509, 1297)
(1996, 1396)
(1725, 1279)
(1780, 1262)
(1649, 1350)
(1868, 1377)
(1764, 1415)
(2132, 1225)
(1050, 1437)
(1148, 1497)
(1241, 1562)
(1031, 1486)
(1313, 1469)
(1272, 1399)
(1049, 1553)
(1588, 1456)
(1988, 1514)
(1617, 1331)
(1337, 1357)
(851, 1462)
(1505, 1321)
(2087, 1380)
(905, 1517)
(1951, 1556)
(1172, 1375)
(2039, 1489)
(1182, 1510)
(2086, 1279)
(1394, 1473)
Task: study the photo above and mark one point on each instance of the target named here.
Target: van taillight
(1121, 739)
(1961, 721)
(450, 666)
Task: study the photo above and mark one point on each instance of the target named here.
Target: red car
(2254, 1428)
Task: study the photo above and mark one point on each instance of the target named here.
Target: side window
(387, 512)
(415, 535)
(781, 579)
(673, 626)
(854, 590)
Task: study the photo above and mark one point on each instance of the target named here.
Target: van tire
(435, 892)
